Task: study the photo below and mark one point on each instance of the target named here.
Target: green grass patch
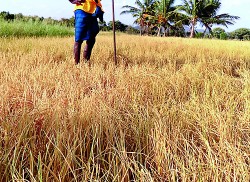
(32, 29)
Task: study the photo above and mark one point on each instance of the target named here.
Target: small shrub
(223, 36)
(246, 37)
(199, 35)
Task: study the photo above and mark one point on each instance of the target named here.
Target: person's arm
(99, 13)
(77, 1)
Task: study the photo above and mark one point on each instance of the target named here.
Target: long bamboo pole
(114, 36)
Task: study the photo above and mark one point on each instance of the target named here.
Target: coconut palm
(163, 10)
(142, 12)
(204, 12)
(191, 11)
(211, 17)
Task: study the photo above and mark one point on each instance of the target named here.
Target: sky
(64, 9)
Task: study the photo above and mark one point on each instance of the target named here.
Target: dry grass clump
(173, 110)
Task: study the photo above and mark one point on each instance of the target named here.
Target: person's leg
(77, 51)
(93, 30)
(88, 48)
(81, 29)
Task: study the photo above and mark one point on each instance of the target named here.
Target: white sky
(63, 9)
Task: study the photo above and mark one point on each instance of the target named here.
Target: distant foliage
(132, 30)
(176, 32)
(7, 16)
(223, 36)
(241, 34)
(246, 37)
(104, 27)
(217, 32)
(119, 26)
(20, 17)
(199, 35)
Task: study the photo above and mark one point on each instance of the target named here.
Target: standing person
(86, 26)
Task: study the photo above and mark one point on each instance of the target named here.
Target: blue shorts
(86, 26)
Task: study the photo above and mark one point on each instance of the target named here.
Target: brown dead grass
(173, 110)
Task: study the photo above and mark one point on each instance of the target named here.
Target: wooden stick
(114, 36)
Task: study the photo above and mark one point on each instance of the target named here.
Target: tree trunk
(168, 31)
(164, 34)
(159, 32)
(192, 33)
(204, 33)
(141, 26)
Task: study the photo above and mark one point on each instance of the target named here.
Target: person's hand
(79, 2)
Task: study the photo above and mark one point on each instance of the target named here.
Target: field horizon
(174, 109)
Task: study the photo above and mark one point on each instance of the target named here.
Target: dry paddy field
(174, 109)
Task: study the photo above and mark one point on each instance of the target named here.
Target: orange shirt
(89, 6)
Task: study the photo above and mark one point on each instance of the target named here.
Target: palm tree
(163, 11)
(204, 12)
(142, 12)
(191, 11)
(212, 17)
